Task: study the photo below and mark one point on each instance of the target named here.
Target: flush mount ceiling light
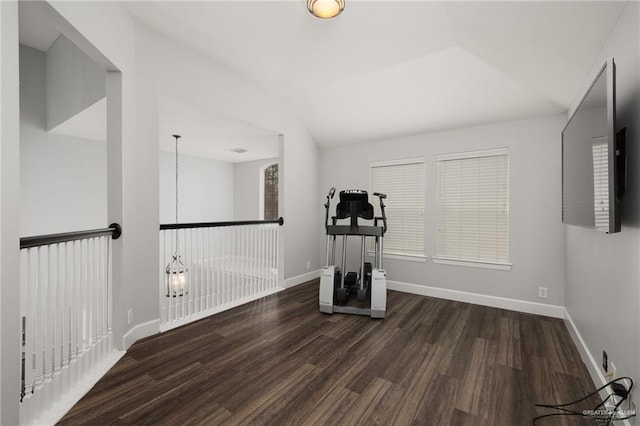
(325, 8)
(238, 150)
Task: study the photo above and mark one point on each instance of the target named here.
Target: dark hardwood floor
(280, 361)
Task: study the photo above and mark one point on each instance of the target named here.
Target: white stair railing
(66, 310)
(227, 264)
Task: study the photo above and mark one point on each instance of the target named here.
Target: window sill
(472, 263)
(396, 256)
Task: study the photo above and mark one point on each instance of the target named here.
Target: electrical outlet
(308, 264)
(542, 292)
(129, 316)
(605, 361)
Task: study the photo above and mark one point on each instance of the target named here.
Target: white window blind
(403, 182)
(600, 183)
(473, 206)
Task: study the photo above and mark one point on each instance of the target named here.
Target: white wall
(247, 178)
(203, 82)
(74, 82)
(105, 32)
(9, 214)
(602, 271)
(536, 237)
(206, 189)
(63, 179)
(140, 67)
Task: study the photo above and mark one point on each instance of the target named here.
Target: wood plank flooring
(279, 361)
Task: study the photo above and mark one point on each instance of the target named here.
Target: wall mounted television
(593, 158)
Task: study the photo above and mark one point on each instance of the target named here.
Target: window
(472, 208)
(270, 210)
(403, 182)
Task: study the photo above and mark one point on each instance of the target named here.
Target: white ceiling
(205, 133)
(380, 69)
(208, 134)
(388, 68)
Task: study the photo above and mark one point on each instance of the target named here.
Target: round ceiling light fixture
(325, 9)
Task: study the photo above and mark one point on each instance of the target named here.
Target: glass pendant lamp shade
(176, 277)
(176, 272)
(325, 8)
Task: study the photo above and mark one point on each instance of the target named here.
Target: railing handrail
(279, 221)
(115, 230)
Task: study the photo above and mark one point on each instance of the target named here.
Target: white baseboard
(140, 331)
(294, 281)
(480, 299)
(217, 310)
(593, 366)
(70, 398)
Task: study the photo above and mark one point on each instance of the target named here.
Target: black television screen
(590, 187)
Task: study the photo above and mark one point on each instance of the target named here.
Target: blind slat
(472, 208)
(404, 185)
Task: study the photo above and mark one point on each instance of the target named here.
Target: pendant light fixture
(176, 271)
(325, 8)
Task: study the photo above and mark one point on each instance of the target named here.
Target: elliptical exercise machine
(370, 284)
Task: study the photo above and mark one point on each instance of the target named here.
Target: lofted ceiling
(389, 68)
(208, 134)
(205, 133)
(380, 69)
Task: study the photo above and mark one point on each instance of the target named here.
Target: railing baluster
(255, 234)
(242, 261)
(92, 291)
(65, 289)
(173, 308)
(269, 256)
(77, 305)
(251, 230)
(208, 271)
(48, 327)
(250, 276)
(197, 255)
(257, 267)
(219, 250)
(62, 305)
(204, 293)
(188, 301)
(59, 313)
(36, 295)
(229, 258)
(109, 286)
(264, 238)
(236, 264)
(274, 256)
(193, 291)
(227, 263)
(164, 256)
(252, 259)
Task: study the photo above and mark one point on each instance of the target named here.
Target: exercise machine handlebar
(330, 195)
(381, 197)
